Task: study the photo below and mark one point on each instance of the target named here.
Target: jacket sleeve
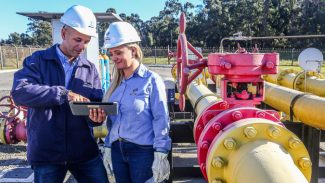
(160, 122)
(28, 90)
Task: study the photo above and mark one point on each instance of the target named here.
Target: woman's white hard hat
(80, 18)
(120, 33)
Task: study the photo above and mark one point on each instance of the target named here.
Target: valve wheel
(183, 65)
(7, 101)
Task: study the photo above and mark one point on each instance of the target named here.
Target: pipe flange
(207, 114)
(264, 130)
(222, 120)
(10, 131)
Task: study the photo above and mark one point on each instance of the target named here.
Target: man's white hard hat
(81, 19)
(119, 33)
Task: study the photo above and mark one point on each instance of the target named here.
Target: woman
(138, 134)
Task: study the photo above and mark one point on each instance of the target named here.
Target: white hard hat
(81, 19)
(119, 33)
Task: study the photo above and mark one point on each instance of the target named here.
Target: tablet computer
(82, 108)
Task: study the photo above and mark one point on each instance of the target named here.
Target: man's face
(74, 43)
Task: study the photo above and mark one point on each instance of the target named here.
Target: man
(57, 140)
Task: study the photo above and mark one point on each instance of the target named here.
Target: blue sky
(12, 22)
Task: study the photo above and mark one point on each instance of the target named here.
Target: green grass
(158, 60)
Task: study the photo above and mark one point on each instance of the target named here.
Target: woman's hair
(117, 75)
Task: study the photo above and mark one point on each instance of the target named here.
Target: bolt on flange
(229, 143)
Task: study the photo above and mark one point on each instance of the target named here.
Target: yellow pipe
(263, 162)
(310, 82)
(200, 97)
(309, 109)
(2, 131)
(258, 150)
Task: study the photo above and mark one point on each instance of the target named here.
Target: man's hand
(97, 115)
(76, 97)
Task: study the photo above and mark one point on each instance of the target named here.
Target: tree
(14, 38)
(26, 39)
(41, 32)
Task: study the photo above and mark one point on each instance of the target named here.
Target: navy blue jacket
(54, 135)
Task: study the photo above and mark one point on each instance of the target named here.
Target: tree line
(209, 22)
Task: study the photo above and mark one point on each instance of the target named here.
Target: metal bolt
(205, 145)
(199, 127)
(223, 105)
(294, 142)
(217, 181)
(250, 132)
(216, 126)
(260, 114)
(274, 132)
(304, 163)
(237, 115)
(217, 162)
(229, 143)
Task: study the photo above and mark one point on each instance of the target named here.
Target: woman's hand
(97, 115)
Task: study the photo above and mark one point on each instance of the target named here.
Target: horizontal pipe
(200, 97)
(309, 109)
(310, 82)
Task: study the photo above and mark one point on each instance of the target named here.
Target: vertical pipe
(107, 71)
(102, 68)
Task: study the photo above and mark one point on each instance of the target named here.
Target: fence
(288, 56)
(12, 56)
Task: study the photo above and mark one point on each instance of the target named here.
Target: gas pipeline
(305, 81)
(236, 141)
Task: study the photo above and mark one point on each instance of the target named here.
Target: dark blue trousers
(92, 171)
(131, 162)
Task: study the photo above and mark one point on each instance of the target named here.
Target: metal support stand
(311, 138)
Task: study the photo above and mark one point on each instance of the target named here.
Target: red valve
(7, 101)
(184, 75)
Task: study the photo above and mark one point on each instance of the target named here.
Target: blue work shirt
(67, 65)
(143, 114)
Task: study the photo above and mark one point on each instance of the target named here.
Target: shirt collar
(141, 70)
(64, 59)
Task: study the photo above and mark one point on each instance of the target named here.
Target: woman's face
(122, 56)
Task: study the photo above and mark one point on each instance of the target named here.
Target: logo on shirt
(134, 91)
